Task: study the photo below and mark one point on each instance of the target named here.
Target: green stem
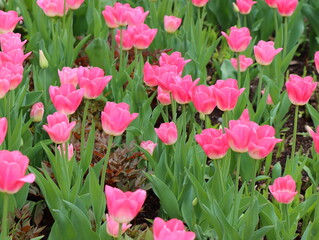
(236, 189)
(119, 234)
(276, 22)
(184, 119)
(238, 20)
(254, 179)
(245, 20)
(173, 108)
(220, 175)
(238, 71)
(106, 160)
(86, 107)
(286, 216)
(295, 132)
(4, 225)
(260, 83)
(64, 15)
(121, 50)
(286, 35)
(112, 43)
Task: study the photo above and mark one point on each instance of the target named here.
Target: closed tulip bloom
(112, 227)
(286, 7)
(74, 4)
(143, 35)
(127, 38)
(116, 117)
(172, 229)
(181, 89)
(150, 76)
(227, 93)
(8, 21)
(244, 63)
(93, 81)
(124, 206)
(59, 128)
(53, 8)
(265, 52)
(163, 97)
(271, 3)
(284, 189)
(315, 137)
(213, 142)
(3, 129)
(69, 75)
(245, 6)
(203, 99)
(238, 39)
(300, 89)
(70, 150)
(199, 3)
(175, 59)
(13, 166)
(66, 99)
(148, 146)
(167, 132)
(317, 61)
(171, 23)
(37, 112)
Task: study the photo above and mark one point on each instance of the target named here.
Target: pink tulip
(127, 38)
(171, 23)
(10, 78)
(69, 75)
(175, 59)
(53, 8)
(124, 206)
(143, 35)
(315, 137)
(13, 166)
(70, 150)
(172, 229)
(203, 99)
(109, 17)
(269, 100)
(167, 76)
(262, 142)
(8, 21)
(245, 6)
(4, 83)
(93, 81)
(181, 89)
(3, 129)
(271, 3)
(238, 39)
(317, 61)
(199, 3)
(59, 128)
(213, 142)
(116, 118)
(227, 93)
(150, 76)
(112, 227)
(300, 89)
(66, 99)
(284, 189)
(11, 41)
(286, 7)
(74, 4)
(244, 63)
(136, 16)
(265, 52)
(148, 146)
(37, 112)
(163, 97)
(167, 132)
(15, 57)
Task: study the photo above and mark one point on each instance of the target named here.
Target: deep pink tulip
(148, 146)
(244, 63)
(203, 99)
(271, 3)
(53, 8)
(74, 4)
(317, 61)
(245, 6)
(300, 89)
(265, 52)
(213, 142)
(143, 35)
(66, 99)
(8, 21)
(10, 77)
(124, 206)
(37, 112)
(112, 227)
(69, 75)
(286, 7)
(238, 39)
(109, 17)
(70, 150)
(150, 75)
(262, 142)
(227, 93)
(163, 97)
(11, 41)
(181, 89)
(5, 78)
(116, 117)
(93, 81)
(136, 16)
(167, 132)
(171, 23)
(199, 3)
(59, 128)
(284, 189)
(315, 137)
(127, 38)
(172, 229)
(13, 166)
(175, 59)
(3, 129)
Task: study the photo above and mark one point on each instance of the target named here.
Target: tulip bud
(236, 10)
(37, 112)
(194, 202)
(42, 59)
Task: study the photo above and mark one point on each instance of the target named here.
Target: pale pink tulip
(148, 146)
(4, 84)
(127, 38)
(315, 137)
(10, 77)
(238, 39)
(284, 189)
(37, 112)
(199, 3)
(112, 227)
(203, 99)
(136, 16)
(167, 132)
(171, 23)
(286, 7)
(181, 89)
(265, 52)
(15, 57)
(244, 63)
(70, 150)
(245, 6)
(53, 8)
(11, 41)
(74, 4)
(8, 21)
(143, 35)
(317, 61)
(269, 100)
(167, 76)
(3, 129)
(163, 97)
(175, 59)
(150, 75)
(69, 75)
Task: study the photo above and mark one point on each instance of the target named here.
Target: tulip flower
(163, 97)
(148, 146)
(116, 118)
(245, 6)
(286, 7)
(11, 41)
(124, 206)
(59, 128)
(227, 93)
(8, 21)
(175, 59)
(172, 229)
(127, 38)
(271, 3)
(143, 35)
(112, 227)
(4, 83)
(317, 61)
(136, 16)
(284, 189)
(181, 89)
(244, 63)
(300, 89)
(171, 23)
(53, 8)
(70, 150)
(150, 76)
(238, 39)
(203, 99)
(74, 4)
(13, 166)
(199, 3)
(37, 112)
(269, 100)
(69, 75)
(315, 137)
(66, 99)
(166, 76)
(3, 129)
(213, 142)
(265, 52)
(167, 132)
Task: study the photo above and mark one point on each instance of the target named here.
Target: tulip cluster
(58, 8)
